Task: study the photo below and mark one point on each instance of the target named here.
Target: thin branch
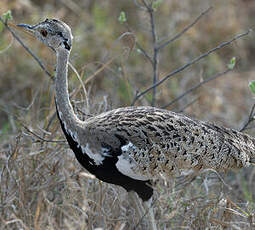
(82, 85)
(28, 130)
(197, 86)
(220, 46)
(249, 120)
(144, 52)
(155, 53)
(145, 4)
(27, 108)
(103, 67)
(164, 44)
(51, 119)
(139, 5)
(41, 138)
(27, 49)
(188, 105)
(248, 128)
(154, 59)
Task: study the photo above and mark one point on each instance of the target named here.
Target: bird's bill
(21, 26)
(28, 29)
(25, 28)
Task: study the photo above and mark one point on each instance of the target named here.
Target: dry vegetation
(42, 186)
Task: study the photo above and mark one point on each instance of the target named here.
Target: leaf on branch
(252, 86)
(232, 63)
(122, 18)
(156, 4)
(7, 16)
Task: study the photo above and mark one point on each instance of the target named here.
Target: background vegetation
(42, 184)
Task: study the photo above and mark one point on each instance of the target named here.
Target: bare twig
(249, 120)
(156, 47)
(30, 131)
(145, 4)
(141, 7)
(103, 67)
(197, 86)
(220, 46)
(27, 49)
(41, 138)
(188, 105)
(164, 44)
(155, 53)
(154, 59)
(144, 52)
(82, 85)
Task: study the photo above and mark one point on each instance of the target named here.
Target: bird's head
(52, 32)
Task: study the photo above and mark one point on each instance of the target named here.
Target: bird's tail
(243, 145)
(247, 145)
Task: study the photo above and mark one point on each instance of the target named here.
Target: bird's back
(154, 141)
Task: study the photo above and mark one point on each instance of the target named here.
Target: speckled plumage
(130, 146)
(166, 142)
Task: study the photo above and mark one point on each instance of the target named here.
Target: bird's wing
(149, 141)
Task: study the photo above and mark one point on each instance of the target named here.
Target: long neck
(64, 107)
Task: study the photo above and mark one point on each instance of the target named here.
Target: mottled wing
(153, 141)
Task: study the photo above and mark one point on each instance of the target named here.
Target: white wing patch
(97, 157)
(126, 165)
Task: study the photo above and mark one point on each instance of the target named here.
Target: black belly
(107, 171)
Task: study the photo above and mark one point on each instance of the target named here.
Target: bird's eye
(44, 33)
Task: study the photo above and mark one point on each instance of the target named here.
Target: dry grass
(42, 186)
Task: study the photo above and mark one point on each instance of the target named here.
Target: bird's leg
(144, 210)
(149, 208)
(135, 200)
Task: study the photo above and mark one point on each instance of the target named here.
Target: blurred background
(42, 185)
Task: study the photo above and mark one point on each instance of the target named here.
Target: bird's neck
(64, 107)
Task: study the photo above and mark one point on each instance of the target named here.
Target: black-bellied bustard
(130, 146)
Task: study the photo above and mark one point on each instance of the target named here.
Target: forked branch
(197, 86)
(195, 60)
(164, 44)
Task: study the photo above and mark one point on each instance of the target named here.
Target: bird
(131, 146)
